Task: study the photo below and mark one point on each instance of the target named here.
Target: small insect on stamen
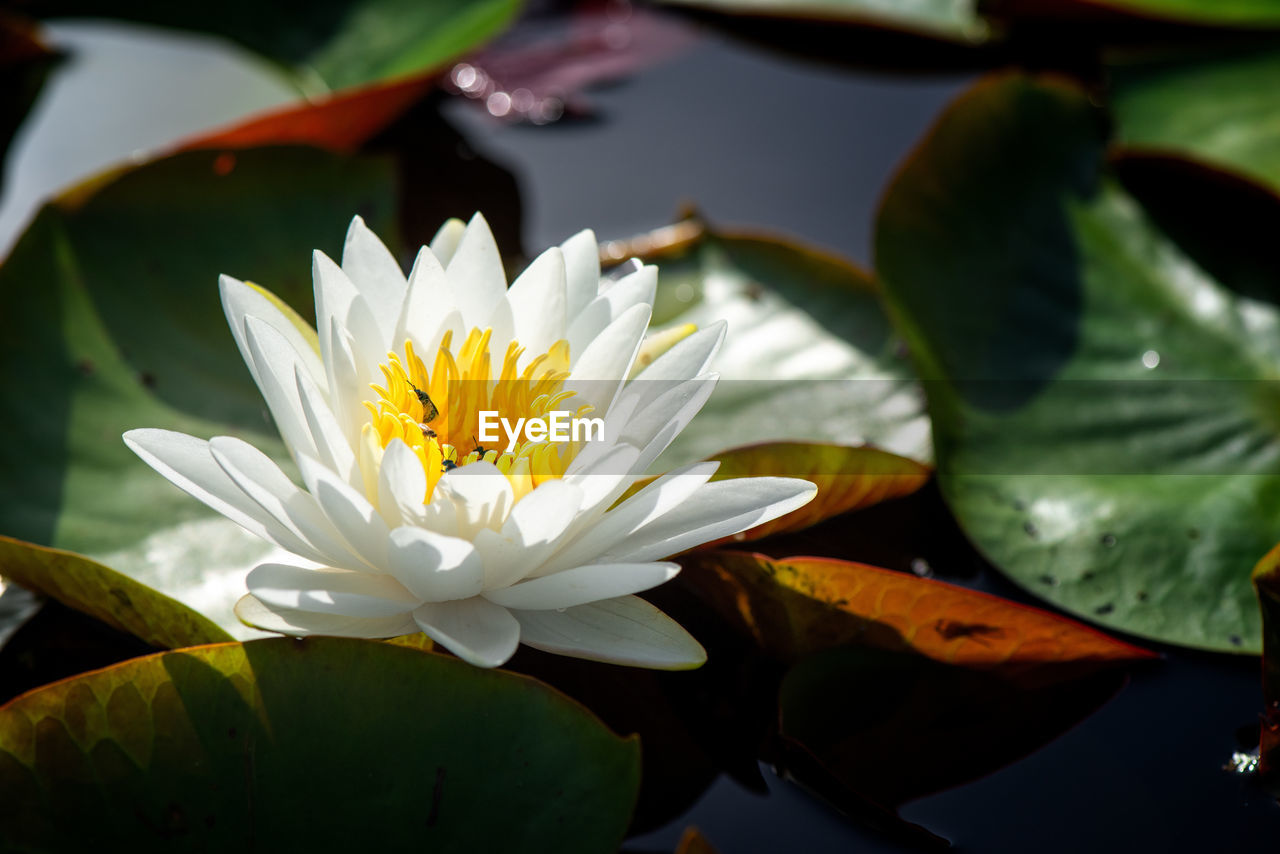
(447, 466)
(429, 411)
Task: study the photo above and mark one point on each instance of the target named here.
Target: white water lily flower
(405, 521)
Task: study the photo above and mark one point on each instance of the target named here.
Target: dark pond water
(756, 139)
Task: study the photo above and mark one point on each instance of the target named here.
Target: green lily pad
(332, 43)
(1217, 108)
(1222, 13)
(111, 320)
(954, 20)
(115, 599)
(284, 745)
(1104, 413)
(809, 353)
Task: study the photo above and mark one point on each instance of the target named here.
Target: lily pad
(809, 354)
(282, 744)
(953, 20)
(1215, 13)
(1215, 107)
(848, 478)
(115, 599)
(110, 317)
(1103, 407)
(793, 607)
(328, 44)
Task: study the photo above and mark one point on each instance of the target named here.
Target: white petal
(261, 479)
(329, 591)
(481, 495)
(446, 241)
(583, 584)
(333, 449)
(349, 511)
(635, 289)
(376, 273)
(275, 364)
(426, 301)
(187, 463)
(676, 405)
(531, 532)
(658, 498)
(627, 630)
(475, 630)
(240, 301)
(338, 298)
(599, 371)
(402, 484)
(294, 622)
(537, 300)
(688, 357)
(582, 271)
(717, 509)
(344, 380)
(475, 273)
(435, 567)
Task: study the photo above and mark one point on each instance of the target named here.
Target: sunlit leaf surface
(1104, 411)
(792, 607)
(848, 478)
(116, 599)
(286, 745)
(809, 354)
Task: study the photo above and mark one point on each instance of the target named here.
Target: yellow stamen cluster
(458, 387)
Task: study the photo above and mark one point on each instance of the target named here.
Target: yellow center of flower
(436, 411)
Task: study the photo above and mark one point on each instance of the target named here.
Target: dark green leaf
(1217, 107)
(322, 744)
(341, 42)
(110, 320)
(1105, 426)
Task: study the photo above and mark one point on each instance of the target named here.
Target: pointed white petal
(537, 300)
(616, 297)
(329, 591)
(426, 300)
(475, 273)
(375, 273)
(351, 514)
(289, 621)
(688, 358)
(275, 364)
(627, 630)
(481, 496)
(240, 300)
(333, 449)
(261, 479)
(676, 406)
(715, 510)
(187, 463)
(583, 584)
(435, 567)
(475, 630)
(446, 241)
(598, 372)
(582, 270)
(402, 484)
(338, 298)
(658, 498)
